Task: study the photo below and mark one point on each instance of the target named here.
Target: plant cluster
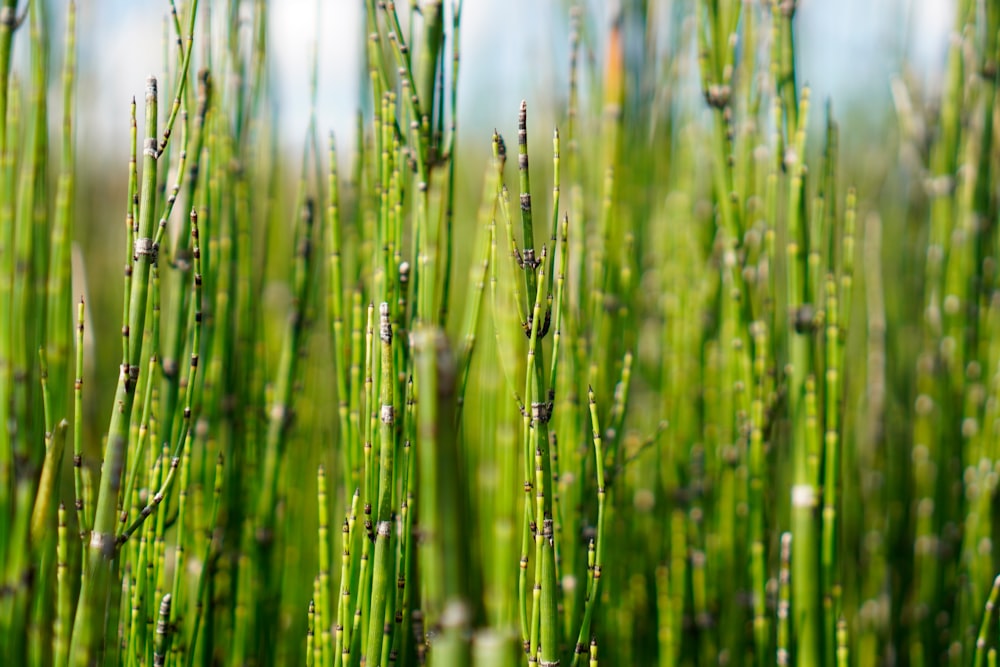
(685, 409)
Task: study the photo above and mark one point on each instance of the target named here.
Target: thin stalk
(101, 561)
(83, 513)
(597, 545)
(446, 549)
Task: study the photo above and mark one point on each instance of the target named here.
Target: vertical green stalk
(323, 600)
(60, 300)
(341, 356)
(83, 513)
(342, 639)
(312, 648)
(280, 418)
(8, 24)
(538, 400)
(984, 628)
(831, 471)
(61, 625)
(445, 551)
(88, 628)
(164, 634)
(382, 575)
(784, 605)
(806, 610)
(450, 155)
(143, 250)
(208, 566)
(756, 494)
(597, 544)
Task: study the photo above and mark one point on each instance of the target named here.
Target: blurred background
(511, 50)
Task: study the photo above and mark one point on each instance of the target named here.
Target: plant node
(717, 95)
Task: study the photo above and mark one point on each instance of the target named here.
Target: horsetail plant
(732, 398)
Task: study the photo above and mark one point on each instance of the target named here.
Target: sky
(511, 50)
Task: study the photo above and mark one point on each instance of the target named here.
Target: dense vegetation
(695, 389)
